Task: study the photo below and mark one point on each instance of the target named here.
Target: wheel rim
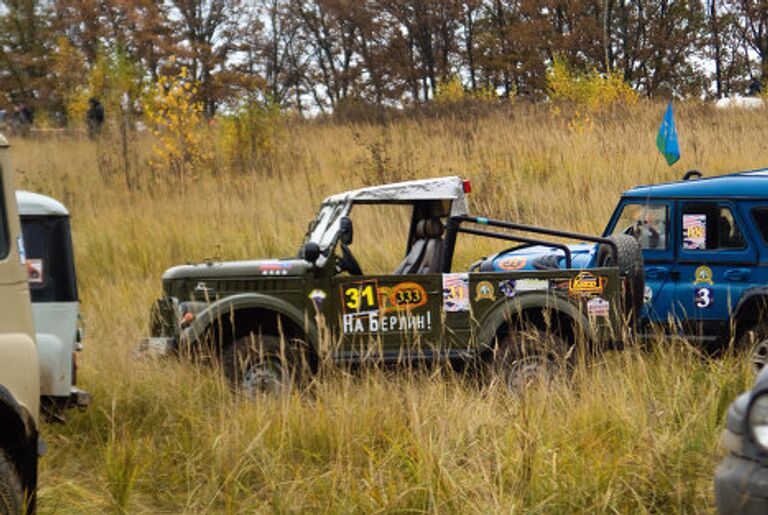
(523, 372)
(759, 356)
(264, 378)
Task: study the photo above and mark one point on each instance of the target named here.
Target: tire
(630, 264)
(11, 493)
(258, 364)
(523, 356)
(755, 342)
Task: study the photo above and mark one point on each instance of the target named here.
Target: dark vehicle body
(741, 478)
(421, 311)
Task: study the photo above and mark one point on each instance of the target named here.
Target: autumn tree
(26, 42)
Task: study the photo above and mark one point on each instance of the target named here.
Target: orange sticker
(512, 263)
(586, 283)
(408, 296)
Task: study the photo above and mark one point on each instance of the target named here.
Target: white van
(55, 305)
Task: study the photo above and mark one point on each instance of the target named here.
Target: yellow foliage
(592, 90)
(69, 69)
(487, 93)
(449, 91)
(176, 120)
(250, 136)
(452, 91)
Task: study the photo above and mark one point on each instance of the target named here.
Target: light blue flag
(666, 141)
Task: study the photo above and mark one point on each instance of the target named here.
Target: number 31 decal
(703, 297)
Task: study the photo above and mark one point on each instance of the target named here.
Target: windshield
(325, 227)
(647, 222)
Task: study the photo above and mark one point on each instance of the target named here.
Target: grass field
(631, 432)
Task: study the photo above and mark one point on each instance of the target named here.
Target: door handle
(656, 272)
(736, 274)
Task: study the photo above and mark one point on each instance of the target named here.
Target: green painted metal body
(385, 316)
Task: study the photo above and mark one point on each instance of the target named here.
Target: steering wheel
(348, 262)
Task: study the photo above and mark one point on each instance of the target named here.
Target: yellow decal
(703, 275)
(485, 291)
(408, 295)
(360, 297)
(586, 283)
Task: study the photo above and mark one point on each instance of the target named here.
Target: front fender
(222, 309)
(507, 308)
(750, 295)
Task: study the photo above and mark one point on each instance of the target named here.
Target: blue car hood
(583, 255)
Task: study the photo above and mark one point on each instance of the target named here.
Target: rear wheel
(11, 495)
(755, 342)
(259, 364)
(524, 356)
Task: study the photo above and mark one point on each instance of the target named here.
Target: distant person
(755, 88)
(22, 119)
(94, 117)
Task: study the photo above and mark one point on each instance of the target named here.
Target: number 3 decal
(703, 297)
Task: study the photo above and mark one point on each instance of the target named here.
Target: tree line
(310, 55)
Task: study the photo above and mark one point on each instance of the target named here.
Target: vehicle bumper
(79, 398)
(741, 486)
(155, 346)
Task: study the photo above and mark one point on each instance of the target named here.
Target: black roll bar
(453, 227)
(522, 239)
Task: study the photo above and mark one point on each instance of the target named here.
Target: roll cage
(442, 198)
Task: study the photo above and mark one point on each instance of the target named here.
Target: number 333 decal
(703, 297)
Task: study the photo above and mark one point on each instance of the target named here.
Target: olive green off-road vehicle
(272, 321)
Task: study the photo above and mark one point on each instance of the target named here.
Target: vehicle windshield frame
(324, 229)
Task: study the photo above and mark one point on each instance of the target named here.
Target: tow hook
(80, 398)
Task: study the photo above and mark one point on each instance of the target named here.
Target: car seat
(427, 249)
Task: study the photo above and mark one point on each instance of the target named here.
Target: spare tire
(630, 264)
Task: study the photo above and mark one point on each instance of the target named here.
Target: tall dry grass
(632, 431)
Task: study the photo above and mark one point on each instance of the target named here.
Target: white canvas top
(37, 204)
(442, 188)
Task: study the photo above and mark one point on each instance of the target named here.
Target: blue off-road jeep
(705, 252)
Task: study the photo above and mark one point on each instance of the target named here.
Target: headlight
(757, 418)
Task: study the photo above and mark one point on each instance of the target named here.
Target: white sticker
(22, 250)
(694, 232)
(531, 284)
(375, 322)
(647, 295)
(703, 297)
(455, 292)
(35, 271)
(598, 307)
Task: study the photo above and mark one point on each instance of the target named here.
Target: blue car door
(648, 220)
(716, 258)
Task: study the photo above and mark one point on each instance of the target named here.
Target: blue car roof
(749, 184)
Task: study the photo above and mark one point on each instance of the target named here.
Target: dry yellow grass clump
(632, 431)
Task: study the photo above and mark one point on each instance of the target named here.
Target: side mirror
(310, 252)
(345, 230)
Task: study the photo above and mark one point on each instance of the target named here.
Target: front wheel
(524, 356)
(11, 495)
(755, 342)
(259, 364)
